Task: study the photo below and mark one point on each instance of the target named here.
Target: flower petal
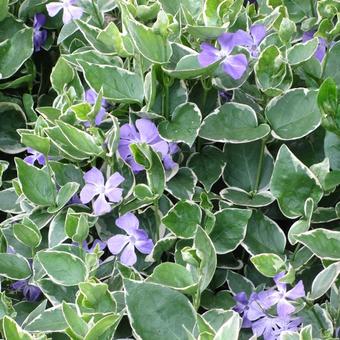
(114, 195)
(227, 42)
(117, 243)
(161, 147)
(91, 96)
(76, 12)
(39, 20)
(284, 308)
(297, 292)
(321, 50)
(128, 132)
(88, 192)
(144, 246)
(242, 38)
(128, 257)
(94, 176)
(100, 116)
(53, 8)
(100, 206)
(67, 16)
(127, 222)
(147, 130)
(235, 65)
(258, 32)
(208, 55)
(30, 159)
(114, 180)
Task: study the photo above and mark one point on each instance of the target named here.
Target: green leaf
(183, 219)
(332, 149)
(62, 74)
(322, 242)
(118, 84)
(65, 193)
(147, 157)
(268, 264)
(182, 185)
(27, 233)
(100, 328)
(208, 165)
(41, 144)
(230, 330)
(288, 175)
(206, 252)
(332, 60)
(74, 321)
(324, 280)
(248, 166)
(36, 184)
(263, 235)
(164, 314)
(230, 229)
(14, 266)
(12, 118)
(210, 12)
(184, 125)
(302, 52)
(50, 320)
(174, 276)
(55, 263)
(12, 330)
(12, 57)
(294, 115)
(151, 45)
(240, 197)
(233, 123)
(81, 140)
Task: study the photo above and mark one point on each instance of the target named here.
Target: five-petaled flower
(95, 186)
(91, 97)
(233, 64)
(29, 291)
(144, 130)
(70, 11)
(39, 35)
(126, 244)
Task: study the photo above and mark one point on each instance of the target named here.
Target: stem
(158, 219)
(312, 7)
(259, 167)
(165, 101)
(51, 174)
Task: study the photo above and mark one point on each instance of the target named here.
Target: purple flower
(282, 298)
(70, 13)
(251, 40)
(321, 50)
(39, 36)
(272, 327)
(30, 292)
(126, 244)
(145, 131)
(234, 65)
(35, 156)
(91, 98)
(95, 186)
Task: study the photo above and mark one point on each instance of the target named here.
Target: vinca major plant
(170, 169)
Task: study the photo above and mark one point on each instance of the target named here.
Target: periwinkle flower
(39, 35)
(126, 244)
(35, 156)
(233, 64)
(251, 40)
(106, 192)
(70, 11)
(91, 97)
(283, 297)
(29, 291)
(322, 46)
(145, 131)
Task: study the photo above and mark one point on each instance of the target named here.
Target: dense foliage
(170, 169)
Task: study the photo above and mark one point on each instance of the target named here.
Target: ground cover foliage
(169, 169)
